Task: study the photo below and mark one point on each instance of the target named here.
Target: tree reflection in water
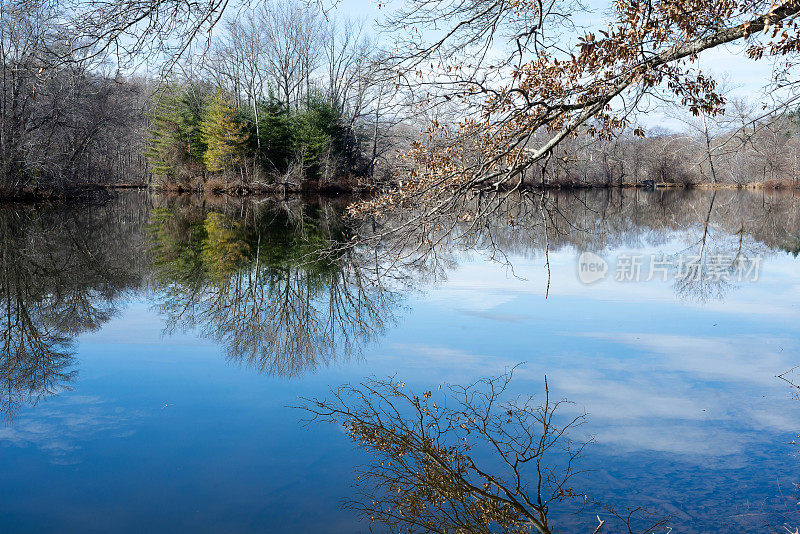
(734, 225)
(285, 287)
(469, 459)
(274, 284)
(61, 273)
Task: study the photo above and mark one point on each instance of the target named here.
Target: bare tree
(62, 117)
(292, 39)
(522, 98)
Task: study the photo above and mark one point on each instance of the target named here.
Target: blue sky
(741, 76)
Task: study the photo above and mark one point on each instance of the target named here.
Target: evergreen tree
(223, 134)
(192, 103)
(317, 132)
(191, 132)
(275, 128)
(164, 134)
(174, 136)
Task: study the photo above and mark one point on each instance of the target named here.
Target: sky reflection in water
(175, 422)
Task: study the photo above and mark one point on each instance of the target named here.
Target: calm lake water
(153, 348)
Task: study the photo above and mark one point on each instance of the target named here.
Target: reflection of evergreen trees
(61, 273)
(262, 278)
(273, 283)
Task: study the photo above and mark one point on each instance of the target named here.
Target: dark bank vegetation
(285, 98)
(65, 117)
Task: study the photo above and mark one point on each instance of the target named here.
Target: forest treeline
(64, 118)
(284, 98)
(734, 150)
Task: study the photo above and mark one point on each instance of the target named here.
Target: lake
(154, 350)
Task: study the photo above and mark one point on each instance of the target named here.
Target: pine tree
(275, 129)
(317, 132)
(190, 116)
(225, 137)
(163, 140)
(174, 136)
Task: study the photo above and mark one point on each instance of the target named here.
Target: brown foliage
(539, 95)
(460, 458)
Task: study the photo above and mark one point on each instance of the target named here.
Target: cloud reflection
(61, 426)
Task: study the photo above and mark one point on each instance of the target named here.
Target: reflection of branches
(694, 283)
(282, 305)
(61, 271)
(281, 323)
(460, 459)
(786, 376)
(719, 256)
(790, 517)
(284, 285)
(34, 361)
(722, 225)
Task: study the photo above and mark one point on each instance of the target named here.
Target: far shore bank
(33, 194)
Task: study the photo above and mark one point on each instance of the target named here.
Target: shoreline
(32, 194)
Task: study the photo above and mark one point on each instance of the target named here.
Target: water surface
(153, 348)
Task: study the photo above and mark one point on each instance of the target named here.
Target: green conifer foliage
(224, 135)
(174, 136)
(193, 101)
(317, 132)
(195, 134)
(275, 129)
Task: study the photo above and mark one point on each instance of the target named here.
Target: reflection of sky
(670, 382)
(161, 433)
(62, 426)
